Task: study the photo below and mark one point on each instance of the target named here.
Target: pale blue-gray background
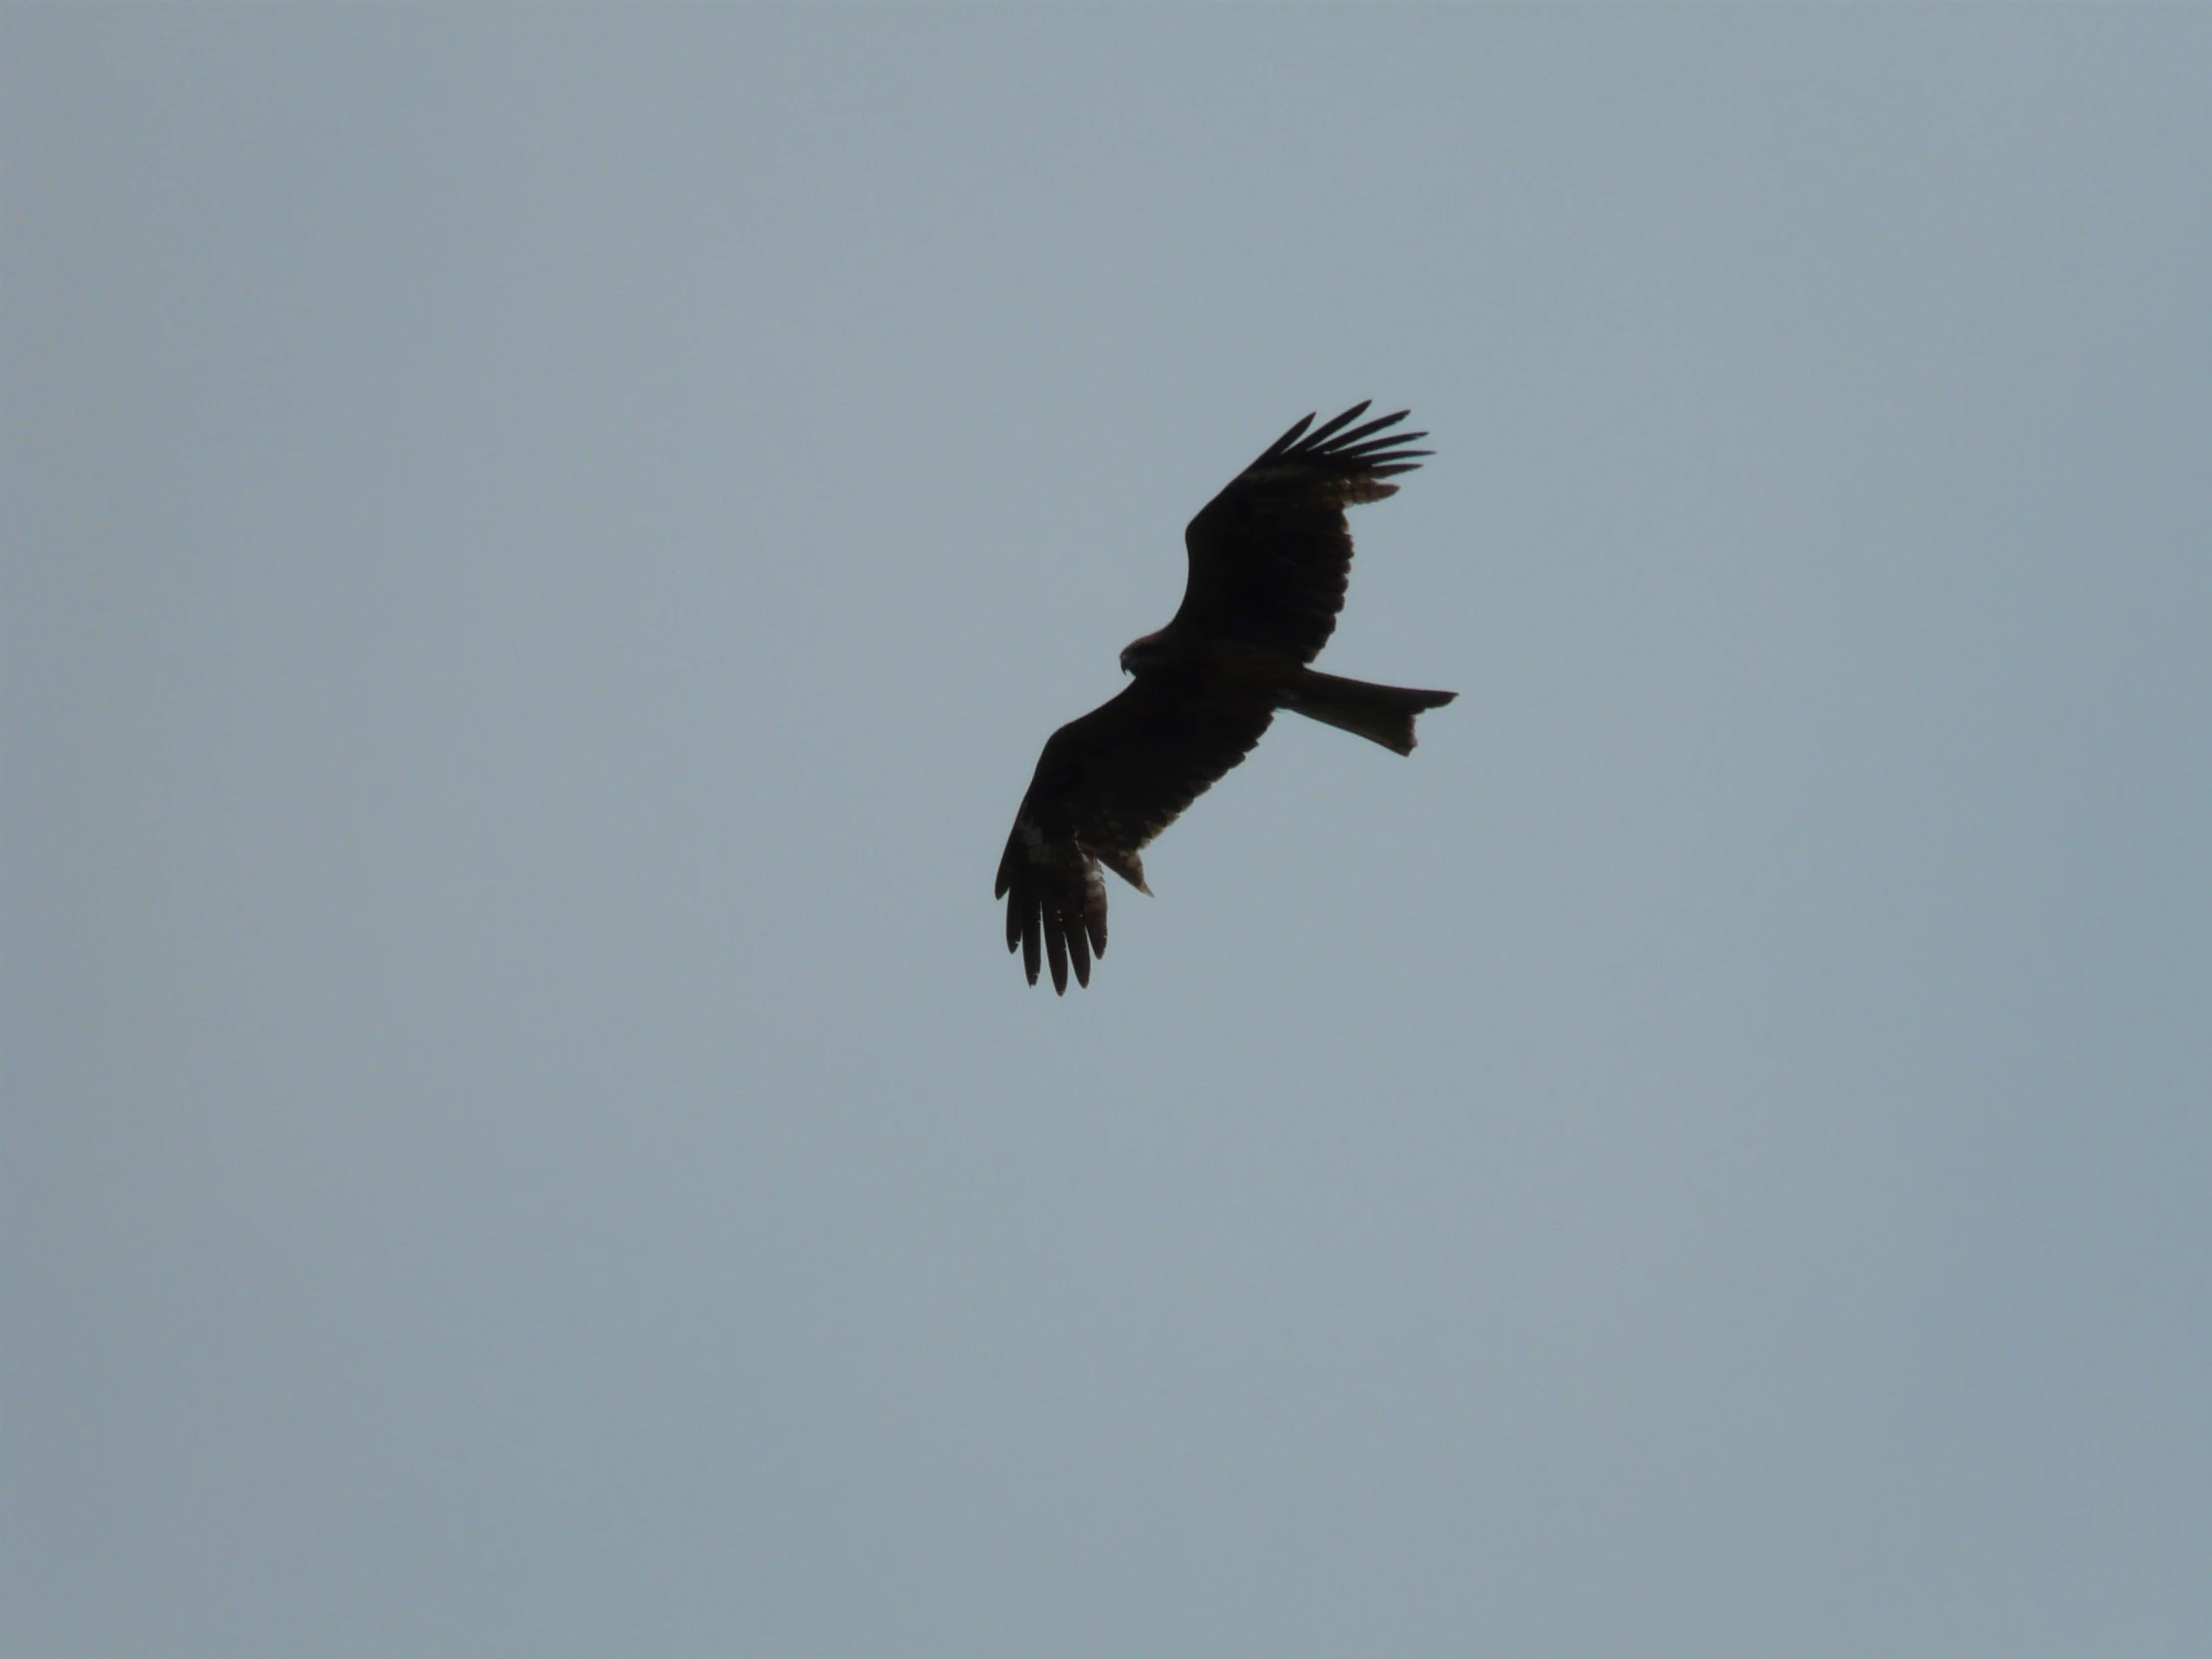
(540, 549)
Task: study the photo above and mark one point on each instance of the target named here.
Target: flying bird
(1269, 559)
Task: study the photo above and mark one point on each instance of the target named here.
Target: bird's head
(1139, 654)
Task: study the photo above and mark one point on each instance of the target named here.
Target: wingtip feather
(1378, 424)
(1321, 434)
(1297, 428)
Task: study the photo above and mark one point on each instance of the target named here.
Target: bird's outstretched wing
(1105, 785)
(1269, 555)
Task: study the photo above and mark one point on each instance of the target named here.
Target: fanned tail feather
(1380, 714)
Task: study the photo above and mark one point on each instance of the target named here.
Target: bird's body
(1268, 560)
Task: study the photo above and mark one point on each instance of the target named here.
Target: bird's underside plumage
(1268, 560)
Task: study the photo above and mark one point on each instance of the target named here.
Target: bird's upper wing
(1269, 555)
(1105, 785)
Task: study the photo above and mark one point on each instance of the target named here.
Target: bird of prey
(1269, 558)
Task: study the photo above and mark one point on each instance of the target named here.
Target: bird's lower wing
(1105, 785)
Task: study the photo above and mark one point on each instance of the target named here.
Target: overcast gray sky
(540, 550)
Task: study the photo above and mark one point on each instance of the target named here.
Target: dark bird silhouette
(1270, 557)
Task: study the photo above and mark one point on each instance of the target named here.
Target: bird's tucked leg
(1127, 866)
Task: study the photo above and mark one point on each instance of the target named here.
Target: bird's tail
(1380, 714)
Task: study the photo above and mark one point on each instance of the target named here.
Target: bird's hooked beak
(1137, 653)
